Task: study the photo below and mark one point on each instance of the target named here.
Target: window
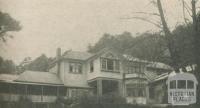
(62, 91)
(103, 64)
(134, 69)
(71, 67)
(77, 93)
(79, 68)
(141, 93)
(4, 88)
(34, 90)
(91, 66)
(75, 68)
(131, 92)
(135, 92)
(151, 92)
(50, 91)
(110, 64)
(117, 65)
(181, 84)
(173, 84)
(190, 84)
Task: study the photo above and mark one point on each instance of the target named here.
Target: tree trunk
(196, 49)
(168, 37)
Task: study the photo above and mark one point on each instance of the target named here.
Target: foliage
(104, 102)
(149, 46)
(24, 102)
(95, 101)
(41, 63)
(183, 45)
(7, 24)
(153, 46)
(61, 102)
(117, 41)
(110, 105)
(6, 66)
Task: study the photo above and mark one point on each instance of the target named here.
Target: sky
(73, 24)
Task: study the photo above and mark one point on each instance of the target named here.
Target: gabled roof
(39, 78)
(77, 55)
(103, 51)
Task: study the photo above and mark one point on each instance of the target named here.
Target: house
(74, 73)
(108, 72)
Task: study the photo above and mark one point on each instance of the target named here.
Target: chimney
(58, 57)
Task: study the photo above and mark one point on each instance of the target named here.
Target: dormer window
(110, 65)
(75, 67)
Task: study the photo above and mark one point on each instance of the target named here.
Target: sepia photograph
(99, 53)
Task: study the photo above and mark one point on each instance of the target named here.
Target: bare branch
(144, 19)
(184, 17)
(188, 11)
(154, 14)
(188, 6)
(2, 33)
(153, 2)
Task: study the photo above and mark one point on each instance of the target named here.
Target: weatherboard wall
(73, 79)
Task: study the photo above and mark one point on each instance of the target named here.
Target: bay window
(108, 64)
(134, 69)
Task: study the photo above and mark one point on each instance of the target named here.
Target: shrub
(99, 102)
(64, 103)
(24, 102)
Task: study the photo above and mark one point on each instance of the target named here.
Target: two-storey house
(74, 73)
(106, 72)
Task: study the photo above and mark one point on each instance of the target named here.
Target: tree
(41, 63)
(120, 42)
(183, 38)
(7, 24)
(196, 29)
(175, 49)
(148, 46)
(106, 41)
(7, 66)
